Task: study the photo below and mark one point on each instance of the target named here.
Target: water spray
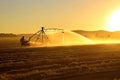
(40, 37)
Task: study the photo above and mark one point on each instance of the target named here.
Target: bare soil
(89, 62)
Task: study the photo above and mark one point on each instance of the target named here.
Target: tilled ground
(90, 62)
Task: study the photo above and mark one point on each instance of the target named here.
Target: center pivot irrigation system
(41, 36)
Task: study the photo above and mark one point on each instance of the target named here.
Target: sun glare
(114, 21)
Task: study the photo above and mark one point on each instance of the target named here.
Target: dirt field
(90, 62)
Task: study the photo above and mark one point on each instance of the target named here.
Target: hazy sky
(27, 16)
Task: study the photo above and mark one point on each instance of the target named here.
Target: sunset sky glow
(27, 16)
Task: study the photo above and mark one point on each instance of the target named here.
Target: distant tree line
(7, 35)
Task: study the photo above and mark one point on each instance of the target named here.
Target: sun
(114, 21)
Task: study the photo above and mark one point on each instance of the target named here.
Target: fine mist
(66, 38)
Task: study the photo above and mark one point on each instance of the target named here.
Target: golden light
(114, 21)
